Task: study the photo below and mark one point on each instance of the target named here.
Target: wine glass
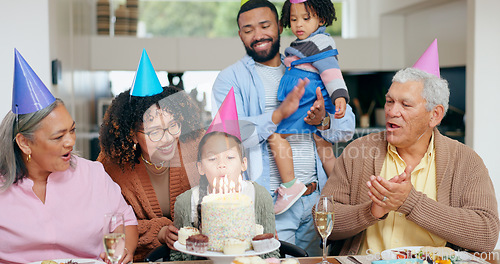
(114, 236)
(324, 218)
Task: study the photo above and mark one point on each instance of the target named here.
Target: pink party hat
(429, 61)
(226, 119)
(146, 81)
(297, 1)
(29, 94)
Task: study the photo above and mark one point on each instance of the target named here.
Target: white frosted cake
(226, 216)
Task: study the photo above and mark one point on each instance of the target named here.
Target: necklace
(153, 164)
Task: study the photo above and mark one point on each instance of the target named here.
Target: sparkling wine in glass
(114, 236)
(324, 218)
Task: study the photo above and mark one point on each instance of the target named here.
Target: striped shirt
(328, 68)
(303, 147)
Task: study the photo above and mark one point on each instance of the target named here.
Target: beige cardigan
(465, 213)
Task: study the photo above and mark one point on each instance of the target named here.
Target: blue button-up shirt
(256, 125)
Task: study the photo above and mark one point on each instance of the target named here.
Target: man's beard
(263, 57)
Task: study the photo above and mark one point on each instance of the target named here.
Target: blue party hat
(29, 94)
(146, 82)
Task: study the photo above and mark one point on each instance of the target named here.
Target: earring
(134, 146)
(28, 159)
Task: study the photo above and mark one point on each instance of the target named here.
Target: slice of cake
(290, 261)
(186, 232)
(234, 246)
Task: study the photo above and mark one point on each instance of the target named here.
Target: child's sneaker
(288, 196)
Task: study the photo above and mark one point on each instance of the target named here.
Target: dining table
(476, 258)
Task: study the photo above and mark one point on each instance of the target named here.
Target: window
(196, 83)
(198, 18)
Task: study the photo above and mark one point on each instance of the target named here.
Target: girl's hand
(127, 257)
(168, 235)
(104, 257)
(340, 106)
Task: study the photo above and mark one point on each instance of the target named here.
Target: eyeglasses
(156, 135)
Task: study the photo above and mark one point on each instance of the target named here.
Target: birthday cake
(225, 216)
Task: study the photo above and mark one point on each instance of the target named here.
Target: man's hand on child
(317, 112)
(291, 102)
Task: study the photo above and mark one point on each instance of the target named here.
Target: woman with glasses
(148, 146)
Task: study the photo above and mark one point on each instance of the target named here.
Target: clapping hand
(291, 102)
(389, 195)
(317, 112)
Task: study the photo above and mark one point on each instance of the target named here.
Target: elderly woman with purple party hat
(53, 202)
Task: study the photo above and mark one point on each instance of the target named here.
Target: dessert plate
(80, 261)
(220, 258)
(398, 261)
(391, 254)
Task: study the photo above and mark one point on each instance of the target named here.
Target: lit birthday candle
(213, 185)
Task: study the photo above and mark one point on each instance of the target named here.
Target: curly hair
(324, 9)
(124, 118)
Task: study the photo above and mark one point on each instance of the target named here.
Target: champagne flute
(324, 218)
(114, 236)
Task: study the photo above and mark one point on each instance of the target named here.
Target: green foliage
(209, 19)
(178, 19)
(225, 22)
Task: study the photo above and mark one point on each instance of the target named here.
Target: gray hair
(435, 92)
(12, 167)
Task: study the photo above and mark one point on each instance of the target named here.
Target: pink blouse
(69, 224)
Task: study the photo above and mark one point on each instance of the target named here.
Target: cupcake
(186, 232)
(249, 260)
(197, 243)
(262, 242)
(234, 246)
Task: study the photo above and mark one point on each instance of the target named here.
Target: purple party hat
(29, 94)
(146, 81)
